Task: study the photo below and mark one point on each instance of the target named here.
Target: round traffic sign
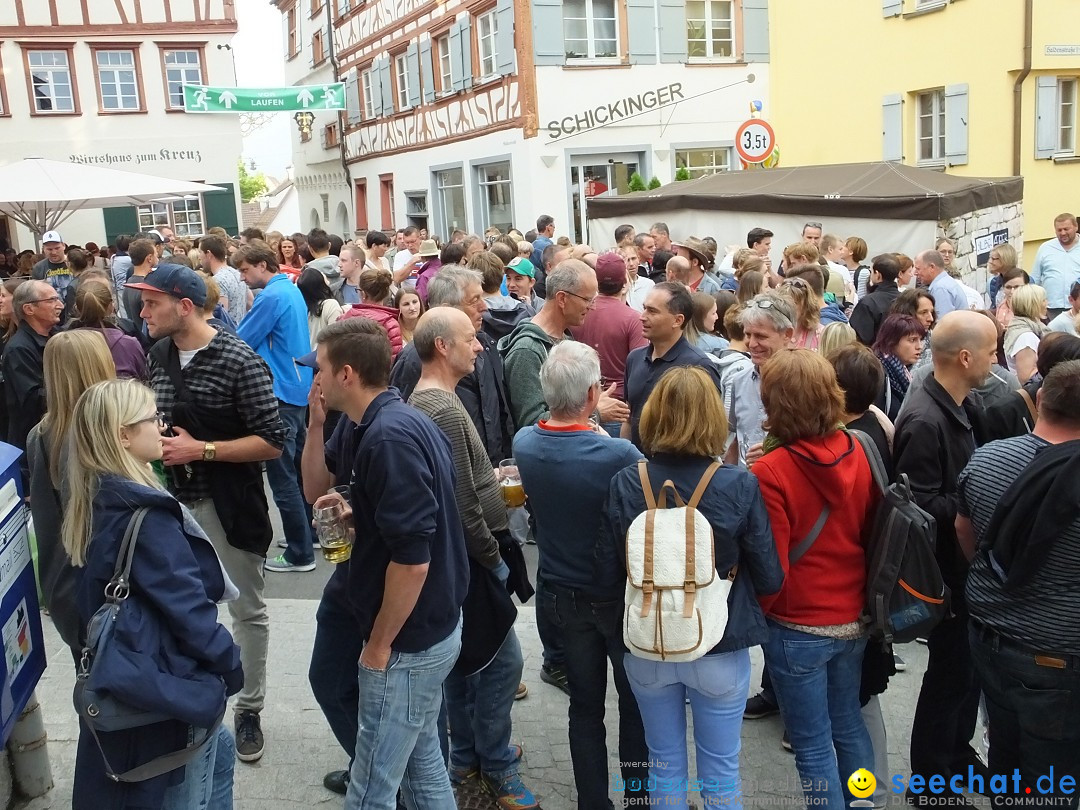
(755, 140)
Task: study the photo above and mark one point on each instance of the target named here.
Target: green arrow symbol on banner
(228, 99)
(305, 97)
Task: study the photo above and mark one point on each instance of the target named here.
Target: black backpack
(906, 596)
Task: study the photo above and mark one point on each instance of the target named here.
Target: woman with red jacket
(820, 495)
(374, 286)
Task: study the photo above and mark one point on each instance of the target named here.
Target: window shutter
(641, 23)
(892, 8)
(504, 37)
(755, 30)
(457, 80)
(672, 31)
(547, 28)
(1046, 117)
(387, 86)
(466, 53)
(352, 98)
(956, 124)
(892, 135)
(427, 71)
(412, 66)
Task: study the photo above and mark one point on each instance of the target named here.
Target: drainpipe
(29, 751)
(1018, 88)
(341, 124)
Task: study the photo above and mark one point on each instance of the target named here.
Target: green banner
(200, 99)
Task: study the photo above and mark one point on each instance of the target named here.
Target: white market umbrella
(41, 193)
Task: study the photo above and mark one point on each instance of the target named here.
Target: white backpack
(676, 604)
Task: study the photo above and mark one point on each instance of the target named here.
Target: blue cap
(175, 280)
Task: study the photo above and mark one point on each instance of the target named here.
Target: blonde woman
(836, 336)
(175, 580)
(808, 326)
(1025, 331)
(74, 361)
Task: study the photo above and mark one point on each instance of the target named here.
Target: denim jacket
(733, 505)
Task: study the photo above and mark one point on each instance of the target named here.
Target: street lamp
(304, 120)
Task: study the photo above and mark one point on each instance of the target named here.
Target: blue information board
(23, 659)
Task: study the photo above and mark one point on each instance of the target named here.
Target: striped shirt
(1044, 613)
(477, 492)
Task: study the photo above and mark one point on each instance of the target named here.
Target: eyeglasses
(158, 417)
(762, 303)
(590, 302)
(44, 300)
(812, 225)
(796, 282)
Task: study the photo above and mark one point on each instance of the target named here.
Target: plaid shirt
(227, 372)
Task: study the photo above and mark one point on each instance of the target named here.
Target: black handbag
(98, 706)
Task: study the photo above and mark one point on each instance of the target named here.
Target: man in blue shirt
(408, 574)
(668, 308)
(545, 232)
(1057, 264)
(948, 294)
(276, 328)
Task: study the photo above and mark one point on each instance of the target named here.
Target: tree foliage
(637, 182)
(251, 185)
(682, 173)
(654, 183)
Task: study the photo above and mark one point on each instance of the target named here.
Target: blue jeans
(398, 740)
(208, 778)
(592, 636)
(1033, 711)
(716, 686)
(283, 473)
(479, 710)
(816, 680)
(332, 673)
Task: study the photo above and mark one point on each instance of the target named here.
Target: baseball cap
(308, 360)
(155, 237)
(51, 236)
(175, 280)
(522, 267)
(610, 267)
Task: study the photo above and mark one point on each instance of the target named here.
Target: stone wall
(962, 231)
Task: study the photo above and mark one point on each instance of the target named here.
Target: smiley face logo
(861, 783)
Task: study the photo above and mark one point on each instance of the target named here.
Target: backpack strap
(1024, 395)
(690, 580)
(652, 502)
(877, 466)
(706, 477)
(799, 549)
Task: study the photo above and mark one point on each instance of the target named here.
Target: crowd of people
(407, 382)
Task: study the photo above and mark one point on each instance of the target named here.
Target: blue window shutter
(412, 65)
(641, 23)
(457, 80)
(892, 8)
(427, 70)
(376, 89)
(547, 28)
(672, 31)
(892, 133)
(466, 53)
(352, 98)
(504, 37)
(956, 124)
(1046, 117)
(387, 86)
(755, 30)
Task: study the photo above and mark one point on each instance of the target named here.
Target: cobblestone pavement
(300, 748)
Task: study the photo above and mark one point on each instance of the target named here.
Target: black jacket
(483, 393)
(24, 382)
(871, 310)
(933, 443)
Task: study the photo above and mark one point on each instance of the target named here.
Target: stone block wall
(962, 231)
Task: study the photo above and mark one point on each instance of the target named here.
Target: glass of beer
(333, 530)
(512, 491)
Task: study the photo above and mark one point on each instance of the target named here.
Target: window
(51, 79)
(590, 29)
(442, 45)
(3, 94)
(365, 90)
(930, 125)
(330, 136)
(184, 216)
(700, 162)
(416, 209)
(181, 67)
(450, 190)
(318, 52)
(401, 67)
(292, 33)
(316, 7)
(710, 29)
(117, 87)
(486, 30)
(1066, 115)
(386, 201)
(496, 199)
(342, 7)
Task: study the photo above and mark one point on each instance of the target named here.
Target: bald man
(934, 441)
(678, 270)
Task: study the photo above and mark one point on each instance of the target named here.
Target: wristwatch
(209, 451)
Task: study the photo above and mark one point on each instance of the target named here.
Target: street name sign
(201, 99)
